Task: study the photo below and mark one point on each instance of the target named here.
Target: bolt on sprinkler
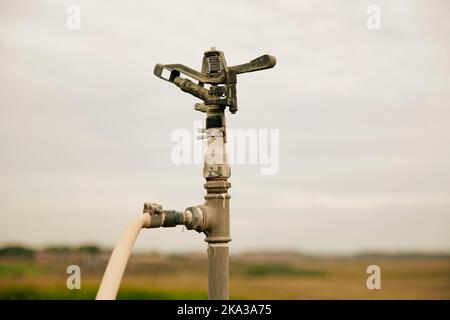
(213, 217)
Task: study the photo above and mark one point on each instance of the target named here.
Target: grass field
(253, 276)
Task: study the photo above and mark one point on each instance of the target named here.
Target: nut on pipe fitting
(196, 218)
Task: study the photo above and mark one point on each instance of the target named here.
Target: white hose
(119, 258)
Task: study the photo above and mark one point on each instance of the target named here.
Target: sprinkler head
(215, 72)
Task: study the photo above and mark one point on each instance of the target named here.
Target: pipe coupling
(194, 218)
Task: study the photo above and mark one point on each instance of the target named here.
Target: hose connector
(163, 218)
(194, 218)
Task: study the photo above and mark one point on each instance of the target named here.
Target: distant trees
(28, 252)
(58, 249)
(90, 248)
(17, 251)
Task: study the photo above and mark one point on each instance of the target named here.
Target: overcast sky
(363, 116)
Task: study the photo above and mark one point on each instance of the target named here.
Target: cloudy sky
(363, 115)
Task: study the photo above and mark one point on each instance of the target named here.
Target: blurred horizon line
(90, 247)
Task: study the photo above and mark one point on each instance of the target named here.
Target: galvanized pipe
(218, 236)
(218, 271)
(216, 171)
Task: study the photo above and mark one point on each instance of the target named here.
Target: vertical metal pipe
(216, 171)
(218, 271)
(218, 237)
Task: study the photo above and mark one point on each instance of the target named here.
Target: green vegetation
(17, 269)
(88, 248)
(50, 293)
(58, 249)
(281, 270)
(88, 293)
(17, 251)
